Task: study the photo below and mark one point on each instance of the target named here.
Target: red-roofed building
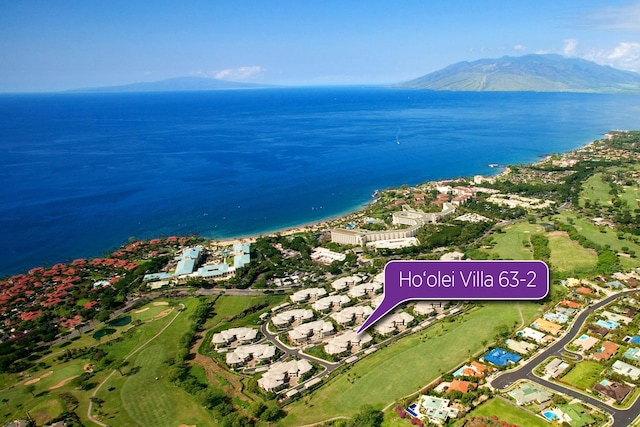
(584, 291)
(71, 323)
(30, 315)
(90, 304)
(570, 304)
(607, 350)
(461, 386)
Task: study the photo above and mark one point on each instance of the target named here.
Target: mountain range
(177, 84)
(536, 73)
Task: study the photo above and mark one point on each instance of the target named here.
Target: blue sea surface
(82, 173)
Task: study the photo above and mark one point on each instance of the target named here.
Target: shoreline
(314, 225)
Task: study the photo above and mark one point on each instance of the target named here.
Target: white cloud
(519, 47)
(625, 56)
(570, 46)
(241, 73)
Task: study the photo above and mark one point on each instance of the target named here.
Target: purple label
(460, 280)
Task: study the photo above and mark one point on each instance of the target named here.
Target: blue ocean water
(81, 173)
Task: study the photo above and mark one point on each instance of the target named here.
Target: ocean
(81, 174)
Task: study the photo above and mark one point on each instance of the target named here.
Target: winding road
(621, 417)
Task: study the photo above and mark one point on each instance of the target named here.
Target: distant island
(535, 73)
(177, 84)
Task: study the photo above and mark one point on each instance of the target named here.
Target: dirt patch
(45, 375)
(33, 381)
(557, 233)
(162, 314)
(160, 303)
(88, 368)
(63, 382)
(142, 310)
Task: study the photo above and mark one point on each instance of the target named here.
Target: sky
(67, 44)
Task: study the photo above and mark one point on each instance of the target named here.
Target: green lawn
(584, 374)
(511, 243)
(607, 237)
(164, 404)
(227, 306)
(407, 365)
(595, 190)
(631, 195)
(567, 255)
(507, 412)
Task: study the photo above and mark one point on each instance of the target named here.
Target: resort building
(351, 314)
(241, 254)
(309, 294)
(288, 317)
(411, 217)
(233, 336)
(348, 342)
(325, 256)
(187, 263)
(330, 302)
(213, 271)
(243, 354)
(392, 323)
(311, 331)
(281, 374)
(346, 282)
(365, 290)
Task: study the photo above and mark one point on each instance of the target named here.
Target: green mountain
(536, 73)
(177, 84)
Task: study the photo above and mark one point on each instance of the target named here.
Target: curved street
(621, 417)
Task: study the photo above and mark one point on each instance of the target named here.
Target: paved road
(621, 417)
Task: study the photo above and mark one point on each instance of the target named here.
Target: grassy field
(511, 243)
(595, 190)
(506, 412)
(41, 391)
(603, 236)
(584, 374)
(567, 255)
(407, 365)
(631, 195)
(228, 306)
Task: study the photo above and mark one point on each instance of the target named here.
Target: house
(347, 342)
(632, 353)
(501, 357)
(622, 368)
(570, 304)
(521, 347)
(230, 336)
(432, 409)
(328, 303)
(607, 350)
(612, 389)
(351, 314)
(461, 386)
(597, 330)
(393, 322)
(533, 335)
(609, 324)
(304, 295)
(288, 317)
(527, 393)
(585, 342)
(474, 369)
(312, 330)
(346, 282)
(617, 318)
(241, 355)
(365, 290)
(546, 326)
(556, 317)
(280, 374)
(555, 367)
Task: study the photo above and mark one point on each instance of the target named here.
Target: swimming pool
(550, 416)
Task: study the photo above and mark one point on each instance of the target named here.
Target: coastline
(324, 223)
